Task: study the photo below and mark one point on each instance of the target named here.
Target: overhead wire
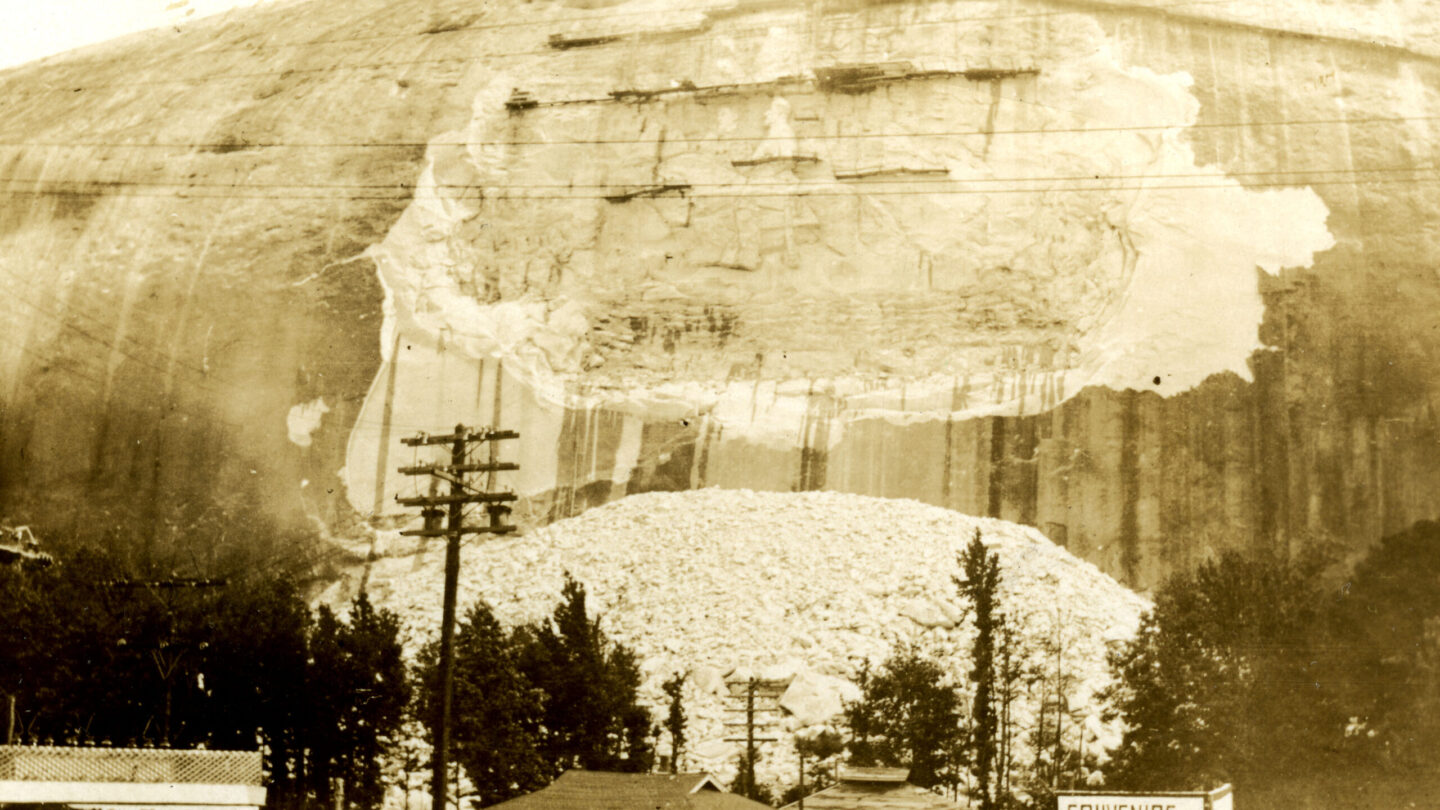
(140, 344)
(52, 363)
(879, 179)
(838, 136)
(69, 324)
(835, 190)
(55, 359)
(846, 135)
(712, 7)
(740, 33)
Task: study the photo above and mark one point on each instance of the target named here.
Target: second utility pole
(460, 494)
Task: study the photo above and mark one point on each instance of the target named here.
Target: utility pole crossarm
(502, 529)
(461, 493)
(428, 469)
(438, 500)
(461, 435)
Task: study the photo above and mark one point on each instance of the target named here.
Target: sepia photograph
(719, 404)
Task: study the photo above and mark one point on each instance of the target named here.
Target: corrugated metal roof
(601, 790)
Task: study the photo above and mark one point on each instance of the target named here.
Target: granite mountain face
(1155, 278)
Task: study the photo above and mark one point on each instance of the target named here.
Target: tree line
(1251, 670)
(1283, 677)
(539, 699)
(1301, 682)
(958, 733)
(97, 658)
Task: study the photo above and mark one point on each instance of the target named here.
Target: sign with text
(1219, 799)
(1113, 801)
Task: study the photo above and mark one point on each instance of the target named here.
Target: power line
(66, 323)
(114, 182)
(741, 33)
(839, 136)
(51, 363)
(134, 341)
(838, 190)
(709, 13)
(54, 362)
(460, 29)
(461, 493)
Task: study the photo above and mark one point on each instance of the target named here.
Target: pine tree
(909, 717)
(373, 689)
(255, 673)
(497, 714)
(532, 703)
(1388, 621)
(327, 682)
(979, 584)
(861, 720)
(1225, 679)
(817, 750)
(674, 688)
(593, 718)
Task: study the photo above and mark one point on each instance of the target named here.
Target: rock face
(1155, 279)
(798, 588)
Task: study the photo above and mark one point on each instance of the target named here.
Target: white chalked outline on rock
(1189, 309)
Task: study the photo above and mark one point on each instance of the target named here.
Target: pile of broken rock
(798, 589)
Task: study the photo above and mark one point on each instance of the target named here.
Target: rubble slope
(802, 586)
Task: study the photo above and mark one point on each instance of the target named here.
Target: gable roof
(877, 792)
(716, 800)
(852, 774)
(603, 790)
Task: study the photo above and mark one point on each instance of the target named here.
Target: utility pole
(461, 493)
(167, 654)
(802, 780)
(748, 690)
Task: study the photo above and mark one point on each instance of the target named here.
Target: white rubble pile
(804, 586)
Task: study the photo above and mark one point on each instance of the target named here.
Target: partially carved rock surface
(1154, 278)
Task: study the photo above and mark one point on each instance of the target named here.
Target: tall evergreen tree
(328, 681)
(979, 583)
(910, 717)
(540, 700)
(1389, 624)
(862, 723)
(674, 688)
(498, 713)
(1225, 680)
(592, 716)
(99, 655)
(255, 674)
(358, 692)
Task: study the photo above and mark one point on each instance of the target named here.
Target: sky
(31, 29)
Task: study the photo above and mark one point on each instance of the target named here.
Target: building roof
(718, 800)
(602, 790)
(875, 789)
(852, 774)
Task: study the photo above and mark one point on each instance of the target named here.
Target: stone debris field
(800, 587)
